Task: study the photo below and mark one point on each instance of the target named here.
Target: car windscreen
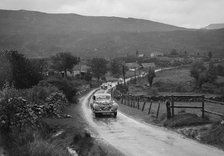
(103, 97)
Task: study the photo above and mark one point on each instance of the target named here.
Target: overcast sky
(186, 13)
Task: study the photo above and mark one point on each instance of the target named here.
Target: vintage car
(104, 86)
(102, 103)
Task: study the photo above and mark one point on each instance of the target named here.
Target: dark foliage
(64, 62)
(98, 67)
(40, 65)
(22, 73)
(150, 76)
(116, 67)
(68, 87)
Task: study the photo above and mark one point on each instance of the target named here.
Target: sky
(184, 13)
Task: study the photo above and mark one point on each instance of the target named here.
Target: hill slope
(35, 22)
(40, 35)
(215, 26)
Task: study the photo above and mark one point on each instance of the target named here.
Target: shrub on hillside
(20, 73)
(38, 94)
(15, 113)
(68, 87)
(41, 147)
(32, 142)
(215, 135)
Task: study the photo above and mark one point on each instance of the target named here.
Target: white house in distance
(156, 54)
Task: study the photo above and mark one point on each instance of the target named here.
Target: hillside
(215, 26)
(41, 35)
(36, 22)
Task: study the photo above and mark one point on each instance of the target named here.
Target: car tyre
(115, 114)
(97, 115)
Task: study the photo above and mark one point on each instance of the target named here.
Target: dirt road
(134, 138)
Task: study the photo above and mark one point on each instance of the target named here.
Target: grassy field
(176, 82)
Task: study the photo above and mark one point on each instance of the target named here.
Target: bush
(15, 113)
(41, 147)
(67, 87)
(38, 94)
(180, 88)
(32, 142)
(215, 135)
(22, 73)
(122, 88)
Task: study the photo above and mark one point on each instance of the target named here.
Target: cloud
(188, 13)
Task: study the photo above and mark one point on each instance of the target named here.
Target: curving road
(133, 138)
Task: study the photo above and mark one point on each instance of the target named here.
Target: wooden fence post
(122, 99)
(203, 107)
(131, 100)
(138, 98)
(135, 102)
(150, 107)
(125, 99)
(143, 107)
(128, 100)
(172, 103)
(157, 114)
(168, 109)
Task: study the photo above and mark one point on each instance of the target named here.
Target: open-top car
(103, 104)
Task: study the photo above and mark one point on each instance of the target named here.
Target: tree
(151, 75)
(203, 75)
(220, 70)
(40, 65)
(211, 73)
(64, 62)
(198, 72)
(116, 68)
(98, 67)
(22, 73)
(88, 76)
(5, 70)
(174, 52)
(210, 55)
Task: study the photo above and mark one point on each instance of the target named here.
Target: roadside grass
(215, 135)
(41, 147)
(185, 120)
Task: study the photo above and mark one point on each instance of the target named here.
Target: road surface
(134, 138)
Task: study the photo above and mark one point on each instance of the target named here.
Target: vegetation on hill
(42, 35)
(26, 101)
